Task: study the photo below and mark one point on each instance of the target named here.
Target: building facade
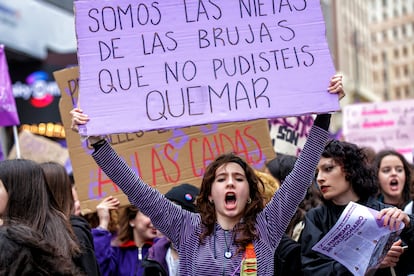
(372, 43)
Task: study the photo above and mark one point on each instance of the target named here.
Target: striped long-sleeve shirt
(183, 228)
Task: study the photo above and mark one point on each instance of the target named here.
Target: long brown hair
(246, 229)
(126, 231)
(25, 251)
(30, 202)
(60, 185)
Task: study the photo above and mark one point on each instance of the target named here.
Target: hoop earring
(211, 202)
(249, 201)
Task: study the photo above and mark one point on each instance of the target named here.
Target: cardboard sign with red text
(162, 158)
(39, 149)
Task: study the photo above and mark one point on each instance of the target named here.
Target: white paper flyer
(358, 240)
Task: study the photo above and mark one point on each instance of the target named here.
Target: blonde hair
(271, 185)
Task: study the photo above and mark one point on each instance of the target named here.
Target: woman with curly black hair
(344, 175)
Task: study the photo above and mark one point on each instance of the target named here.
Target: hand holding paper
(393, 217)
(360, 233)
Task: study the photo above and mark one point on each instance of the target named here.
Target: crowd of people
(238, 221)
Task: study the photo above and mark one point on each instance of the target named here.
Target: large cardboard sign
(381, 125)
(167, 64)
(162, 158)
(39, 149)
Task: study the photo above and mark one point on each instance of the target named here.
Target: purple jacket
(123, 260)
(155, 262)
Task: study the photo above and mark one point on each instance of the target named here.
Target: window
(396, 53)
(406, 70)
(384, 57)
(398, 93)
(404, 51)
(395, 32)
(375, 76)
(407, 92)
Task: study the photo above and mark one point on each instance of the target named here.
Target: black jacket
(288, 258)
(86, 260)
(154, 262)
(319, 221)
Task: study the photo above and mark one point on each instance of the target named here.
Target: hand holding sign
(171, 64)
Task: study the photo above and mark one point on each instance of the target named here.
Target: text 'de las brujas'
(148, 65)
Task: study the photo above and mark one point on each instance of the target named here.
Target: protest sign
(8, 111)
(167, 64)
(358, 240)
(381, 125)
(39, 149)
(162, 158)
(289, 134)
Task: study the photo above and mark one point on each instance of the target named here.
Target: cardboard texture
(162, 158)
(39, 149)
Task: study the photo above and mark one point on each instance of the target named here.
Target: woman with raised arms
(233, 233)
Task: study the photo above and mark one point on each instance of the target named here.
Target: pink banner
(8, 111)
(381, 125)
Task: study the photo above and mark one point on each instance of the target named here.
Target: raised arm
(165, 215)
(280, 210)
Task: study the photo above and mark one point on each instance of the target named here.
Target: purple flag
(8, 111)
(1, 152)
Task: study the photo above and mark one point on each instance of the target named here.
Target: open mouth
(394, 182)
(394, 185)
(230, 198)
